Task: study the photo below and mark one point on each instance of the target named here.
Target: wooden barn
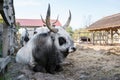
(106, 30)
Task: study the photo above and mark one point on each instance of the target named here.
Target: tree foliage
(70, 31)
(17, 26)
(80, 32)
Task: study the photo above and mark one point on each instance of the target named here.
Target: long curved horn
(42, 19)
(55, 20)
(48, 21)
(68, 21)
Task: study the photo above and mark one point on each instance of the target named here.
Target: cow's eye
(35, 32)
(62, 40)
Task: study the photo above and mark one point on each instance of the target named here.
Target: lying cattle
(24, 36)
(47, 49)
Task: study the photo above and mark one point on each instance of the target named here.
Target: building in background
(106, 30)
(32, 24)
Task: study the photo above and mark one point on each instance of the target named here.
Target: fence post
(5, 40)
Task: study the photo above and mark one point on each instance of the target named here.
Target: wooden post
(93, 37)
(103, 40)
(97, 37)
(111, 32)
(1, 39)
(5, 40)
(104, 37)
(100, 37)
(107, 37)
(4, 62)
(8, 14)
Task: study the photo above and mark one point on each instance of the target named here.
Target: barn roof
(112, 21)
(33, 22)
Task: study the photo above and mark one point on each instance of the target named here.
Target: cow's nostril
(74, 49)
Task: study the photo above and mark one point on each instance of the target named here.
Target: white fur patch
(63, 33)
(24, 55)
(42, 30)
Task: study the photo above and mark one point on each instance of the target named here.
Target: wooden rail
(4, 62)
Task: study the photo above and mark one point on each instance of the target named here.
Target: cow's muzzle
(72, 49)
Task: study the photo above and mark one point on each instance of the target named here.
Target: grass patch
(5, 76)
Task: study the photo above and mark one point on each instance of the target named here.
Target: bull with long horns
(48, 48)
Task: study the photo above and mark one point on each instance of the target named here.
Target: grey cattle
(48, 48)
(24, 37)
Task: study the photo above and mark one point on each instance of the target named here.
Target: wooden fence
(6, 31)
(100, 37)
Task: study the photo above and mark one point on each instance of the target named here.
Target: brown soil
(87, 63)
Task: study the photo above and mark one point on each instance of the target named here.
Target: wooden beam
(5, 40)
(7, 11)
(100, 38)
(1, 5)
(4, 62)
(111, 33)
(93, 37)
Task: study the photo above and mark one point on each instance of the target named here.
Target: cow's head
(61, 37)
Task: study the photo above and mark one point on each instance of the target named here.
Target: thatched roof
(108, 22)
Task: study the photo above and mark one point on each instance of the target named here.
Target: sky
(84, 12)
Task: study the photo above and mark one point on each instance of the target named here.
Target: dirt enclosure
(87, 63)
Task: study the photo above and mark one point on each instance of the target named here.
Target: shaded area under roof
(108, 22)
(34, 22)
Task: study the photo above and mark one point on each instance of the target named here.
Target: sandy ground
(87, 63)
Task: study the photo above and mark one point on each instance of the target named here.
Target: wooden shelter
(106, 30)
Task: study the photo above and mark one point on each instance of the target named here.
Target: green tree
(17, 26)
(70, 31)
(80, 32)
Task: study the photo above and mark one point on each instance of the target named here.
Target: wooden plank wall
(104, 37)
